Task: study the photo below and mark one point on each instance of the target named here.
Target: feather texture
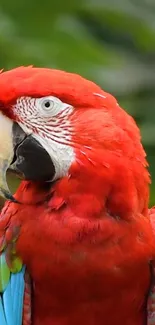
(11, 300)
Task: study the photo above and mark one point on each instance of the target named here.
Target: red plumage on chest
(87, 271)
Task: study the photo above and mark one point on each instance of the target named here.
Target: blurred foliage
(111, 42)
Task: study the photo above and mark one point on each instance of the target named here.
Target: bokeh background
(109, 41)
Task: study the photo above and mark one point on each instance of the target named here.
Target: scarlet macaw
(77, 245)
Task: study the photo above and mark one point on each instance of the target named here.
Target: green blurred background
(111, 42)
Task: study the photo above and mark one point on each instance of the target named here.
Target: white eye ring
(47, 104)
(50, 106)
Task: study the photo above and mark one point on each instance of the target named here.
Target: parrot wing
(15, 294)
(12, 294)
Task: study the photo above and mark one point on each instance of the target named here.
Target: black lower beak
(31, 161)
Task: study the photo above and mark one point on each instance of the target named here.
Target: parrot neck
(95, 195)
(93, 187)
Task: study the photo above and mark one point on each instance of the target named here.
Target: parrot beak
(6, 155)
(22, 154)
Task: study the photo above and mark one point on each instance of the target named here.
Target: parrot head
(56, 125)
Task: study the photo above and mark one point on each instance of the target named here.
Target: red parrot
(77, 244)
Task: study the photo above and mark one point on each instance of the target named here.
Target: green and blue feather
(12, 285)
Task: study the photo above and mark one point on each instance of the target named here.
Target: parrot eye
(47, 104)
(50, 106)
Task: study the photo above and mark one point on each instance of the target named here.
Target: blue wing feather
(11, 300)
(17, 285)
(8, 305)
(2, 315)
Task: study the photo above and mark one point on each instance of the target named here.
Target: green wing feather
(12, 283)
(9, 261)
(4, 273)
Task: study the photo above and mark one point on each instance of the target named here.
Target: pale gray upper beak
(6, 154)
